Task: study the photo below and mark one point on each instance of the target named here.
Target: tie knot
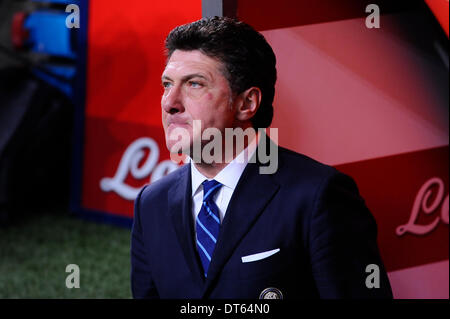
(210, 188)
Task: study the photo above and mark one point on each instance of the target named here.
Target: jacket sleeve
(142, 285)
(343, 244)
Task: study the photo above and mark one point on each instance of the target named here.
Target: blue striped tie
(208, 224)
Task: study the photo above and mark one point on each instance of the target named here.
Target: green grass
(35, 252)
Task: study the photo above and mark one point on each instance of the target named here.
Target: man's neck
(210, 170)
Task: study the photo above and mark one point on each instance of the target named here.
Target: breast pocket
(259, 265)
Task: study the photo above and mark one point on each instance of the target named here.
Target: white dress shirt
(229, 177)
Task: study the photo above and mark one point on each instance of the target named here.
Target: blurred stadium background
(39, 236)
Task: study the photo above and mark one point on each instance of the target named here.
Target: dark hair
(247, 57)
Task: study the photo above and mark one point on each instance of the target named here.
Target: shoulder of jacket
(302, 166)
(162, 185)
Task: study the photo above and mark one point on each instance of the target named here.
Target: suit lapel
(180, 213)
(252, 194)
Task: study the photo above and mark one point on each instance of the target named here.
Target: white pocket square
(259, 256)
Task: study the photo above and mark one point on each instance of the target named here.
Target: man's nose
(172, 101)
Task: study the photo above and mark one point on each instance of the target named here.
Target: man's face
(194, 89)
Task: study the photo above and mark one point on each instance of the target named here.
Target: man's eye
(195, 84)
(166, 84)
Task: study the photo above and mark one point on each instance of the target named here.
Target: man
(224, 228)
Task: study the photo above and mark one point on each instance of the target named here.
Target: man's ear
(248, 104)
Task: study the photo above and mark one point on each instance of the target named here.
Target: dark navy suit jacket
(310, 211)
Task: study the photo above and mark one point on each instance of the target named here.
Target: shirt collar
(229, 176)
